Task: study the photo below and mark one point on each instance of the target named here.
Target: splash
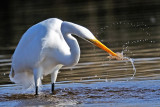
(134, 68)
(120, 56)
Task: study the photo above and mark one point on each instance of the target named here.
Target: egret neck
(73, 58)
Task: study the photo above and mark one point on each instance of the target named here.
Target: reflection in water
(131, 27)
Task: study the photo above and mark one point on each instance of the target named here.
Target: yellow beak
(102, 46)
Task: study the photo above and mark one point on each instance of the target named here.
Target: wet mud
(103, 93)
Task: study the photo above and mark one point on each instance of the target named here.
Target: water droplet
(106, 80)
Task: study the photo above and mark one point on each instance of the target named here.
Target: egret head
(92, 39)
(85, 34)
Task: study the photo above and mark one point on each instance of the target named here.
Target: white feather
(44, 48)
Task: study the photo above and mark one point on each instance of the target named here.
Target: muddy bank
(115, 93)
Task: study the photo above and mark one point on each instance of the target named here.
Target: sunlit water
(96, 80)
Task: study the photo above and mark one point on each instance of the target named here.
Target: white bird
(45, 47)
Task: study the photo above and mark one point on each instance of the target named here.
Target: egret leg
(52, 87)
(53, 79)
(37, 80)
(36, 91)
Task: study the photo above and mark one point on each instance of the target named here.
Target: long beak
(102, 46)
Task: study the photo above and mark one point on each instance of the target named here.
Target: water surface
(131, 27)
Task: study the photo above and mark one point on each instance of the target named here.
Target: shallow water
(110, 93)
(96, 80)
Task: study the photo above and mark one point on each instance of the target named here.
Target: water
(120, 56)
(131, 27)
(134, 68)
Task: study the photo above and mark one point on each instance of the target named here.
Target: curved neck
(67, 30)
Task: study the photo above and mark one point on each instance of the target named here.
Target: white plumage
(44, 48)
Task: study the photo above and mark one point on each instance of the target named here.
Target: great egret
(45, 47)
